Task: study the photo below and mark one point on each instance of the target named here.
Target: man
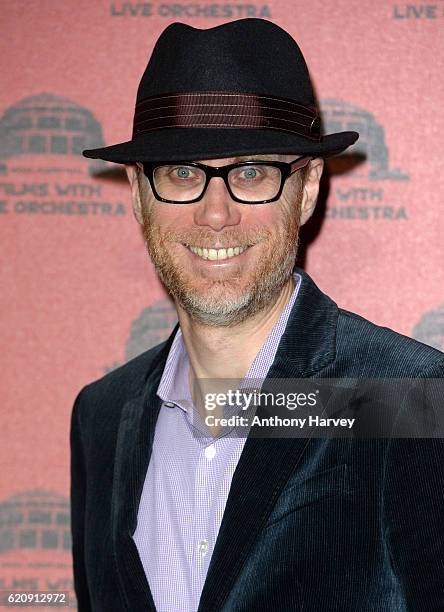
(224, 167)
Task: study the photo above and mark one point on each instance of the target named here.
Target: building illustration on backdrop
(35, 543)
(35, 520)
(430, 328)
(153, 326)
(48, 125)
(338, 115)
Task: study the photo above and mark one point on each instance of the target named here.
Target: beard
(239, 294)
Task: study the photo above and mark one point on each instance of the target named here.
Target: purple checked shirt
(187, 482)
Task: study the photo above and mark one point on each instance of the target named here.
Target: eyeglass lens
(250, 182)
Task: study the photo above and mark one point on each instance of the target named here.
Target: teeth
(218, 254)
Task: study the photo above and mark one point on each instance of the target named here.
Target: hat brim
(177, 144)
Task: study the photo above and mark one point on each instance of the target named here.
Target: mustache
(207, 238)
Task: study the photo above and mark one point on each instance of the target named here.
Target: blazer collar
(309, 341)
(306, 346)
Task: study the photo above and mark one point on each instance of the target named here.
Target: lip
(219, 263)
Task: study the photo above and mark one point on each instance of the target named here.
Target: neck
(221, 352)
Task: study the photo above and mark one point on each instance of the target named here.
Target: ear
(131, 172)
(311, 188)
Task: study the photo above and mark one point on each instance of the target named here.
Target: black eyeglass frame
(285, 168)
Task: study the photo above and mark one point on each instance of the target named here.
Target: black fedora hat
(240, 88)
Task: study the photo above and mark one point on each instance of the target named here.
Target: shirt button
(210, 451)
(169, 404)
(203, 547)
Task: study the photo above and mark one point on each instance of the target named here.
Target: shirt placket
(205, 479)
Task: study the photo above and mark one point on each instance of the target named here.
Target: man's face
(223, 292)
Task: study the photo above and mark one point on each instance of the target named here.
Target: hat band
(222, 109)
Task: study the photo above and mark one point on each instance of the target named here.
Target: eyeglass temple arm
(299, 163)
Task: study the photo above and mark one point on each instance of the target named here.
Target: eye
(182, 172)
(249, 173)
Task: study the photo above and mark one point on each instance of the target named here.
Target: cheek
(168, 216)
(291, 197)
(274, 215)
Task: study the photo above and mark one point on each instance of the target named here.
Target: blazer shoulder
(119, 385)
(382, 351)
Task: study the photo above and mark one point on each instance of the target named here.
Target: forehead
(286, 157)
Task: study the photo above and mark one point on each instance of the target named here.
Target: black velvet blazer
(310, 525)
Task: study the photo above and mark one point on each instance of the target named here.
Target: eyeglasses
(247, 182)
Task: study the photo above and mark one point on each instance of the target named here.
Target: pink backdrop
(80, 297)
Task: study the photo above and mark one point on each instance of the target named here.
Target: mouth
(218, 254)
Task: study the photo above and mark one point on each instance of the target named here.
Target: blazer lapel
(133, 452)
(307, 346)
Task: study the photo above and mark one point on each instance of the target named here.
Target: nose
(216, 209)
